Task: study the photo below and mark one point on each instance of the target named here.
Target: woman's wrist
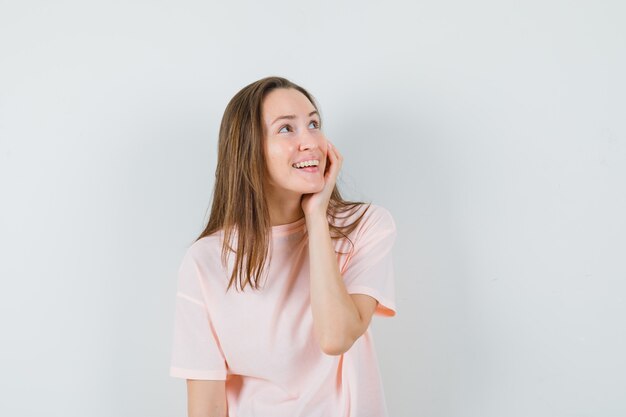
(316, 219)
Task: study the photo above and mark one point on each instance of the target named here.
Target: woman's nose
(312, 140)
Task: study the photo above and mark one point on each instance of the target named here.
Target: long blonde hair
(239, 205)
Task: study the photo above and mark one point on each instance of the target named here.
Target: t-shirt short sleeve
(369, 268)
(196, 353)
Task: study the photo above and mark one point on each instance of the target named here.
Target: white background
(492, 130)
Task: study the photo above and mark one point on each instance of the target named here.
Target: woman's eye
(315, 124)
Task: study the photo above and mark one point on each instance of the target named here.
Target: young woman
(276, 295)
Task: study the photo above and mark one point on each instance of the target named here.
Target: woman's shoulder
(205, 248)
(378, 218)
(367, 212)
(368, 217)
(378, 212)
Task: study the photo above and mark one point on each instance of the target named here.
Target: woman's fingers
(332, 159)
(335, 157)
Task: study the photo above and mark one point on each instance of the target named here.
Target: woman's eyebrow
(292, 116)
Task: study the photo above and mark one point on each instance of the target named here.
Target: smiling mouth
(313, 163)
(308, 169)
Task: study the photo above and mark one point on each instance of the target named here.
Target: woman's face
(292, 135)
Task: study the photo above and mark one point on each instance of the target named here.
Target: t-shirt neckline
(289, 228)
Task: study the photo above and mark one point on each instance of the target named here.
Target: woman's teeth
(303, 164)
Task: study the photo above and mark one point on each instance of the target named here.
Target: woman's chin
(314, 188)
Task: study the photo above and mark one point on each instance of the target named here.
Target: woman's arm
(339, 318)
(206, 398)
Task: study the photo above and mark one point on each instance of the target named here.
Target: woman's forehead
(285, 102)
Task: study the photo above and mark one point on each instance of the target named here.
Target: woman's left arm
(339, 318)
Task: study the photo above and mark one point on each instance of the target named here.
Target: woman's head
(256, 151)
(292, 139)
(267, 127)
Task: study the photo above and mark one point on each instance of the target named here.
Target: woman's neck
(284, 210)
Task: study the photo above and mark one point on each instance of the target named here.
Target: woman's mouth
(308, 169)
(307, 166)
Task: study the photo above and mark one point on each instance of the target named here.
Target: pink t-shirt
(262, 342)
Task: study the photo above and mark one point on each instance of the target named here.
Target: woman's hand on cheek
(318, 202)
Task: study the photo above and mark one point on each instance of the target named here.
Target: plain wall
(492, 130)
